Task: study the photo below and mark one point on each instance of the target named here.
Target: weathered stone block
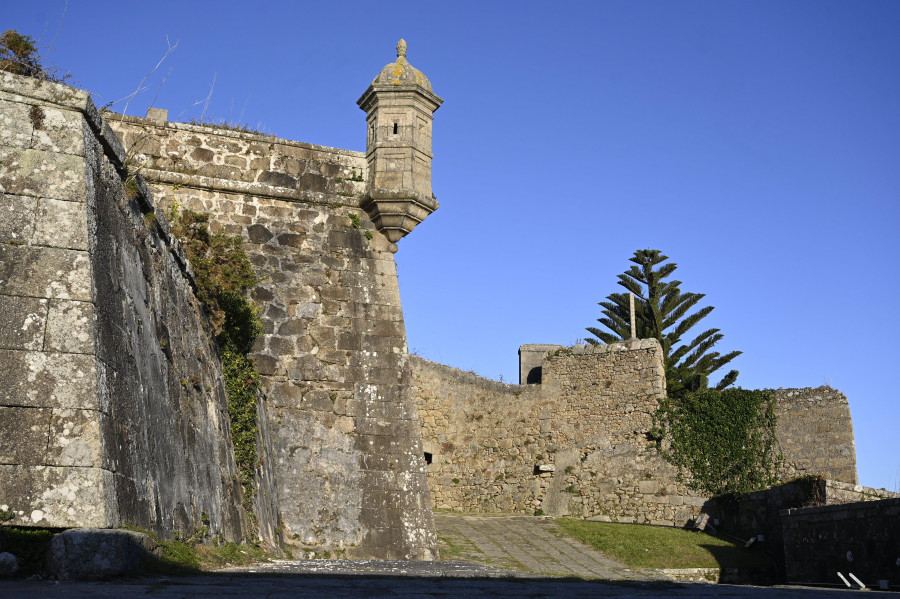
(22, 322)
(70, 327)
(36, 379)
(17, 215)
(23, 435)
(57, 497)
(74, 438)
(15, 124)
(92, 553)
(58, 131)
(44, 272)
(39, 173)
(38, 89)
(61, 224)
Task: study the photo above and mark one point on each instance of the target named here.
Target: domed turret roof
(400, 72)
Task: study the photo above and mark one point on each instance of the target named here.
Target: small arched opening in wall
(534, 376)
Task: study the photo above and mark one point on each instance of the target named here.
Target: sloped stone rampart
(575, 445)
(111, 398)
(344, 443)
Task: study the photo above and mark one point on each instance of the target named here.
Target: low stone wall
(862, 538)
(837, 493)
(760, 513)
(575, 445)
(815, 433)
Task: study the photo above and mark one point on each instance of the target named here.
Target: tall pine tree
(661, 312)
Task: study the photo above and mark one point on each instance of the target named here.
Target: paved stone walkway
(528, 544)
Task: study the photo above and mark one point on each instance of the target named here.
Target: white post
(631, 311)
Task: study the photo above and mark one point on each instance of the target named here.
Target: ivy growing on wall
(223, 275)
(723, 442)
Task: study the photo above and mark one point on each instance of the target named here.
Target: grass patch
(189, 556)
(27, 544)
(185, 557)
(642, 546)
(231, 554)
(451, 550)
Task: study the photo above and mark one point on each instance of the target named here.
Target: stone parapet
(220, 159)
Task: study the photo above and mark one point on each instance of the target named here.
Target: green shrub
(19, 55)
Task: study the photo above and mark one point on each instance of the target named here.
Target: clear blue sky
(757, 143)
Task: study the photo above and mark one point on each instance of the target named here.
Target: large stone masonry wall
(575, 445)
(815, 433)
(112, 409)
(345, 450)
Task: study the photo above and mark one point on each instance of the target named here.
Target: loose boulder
(98, 553)
(9, 565)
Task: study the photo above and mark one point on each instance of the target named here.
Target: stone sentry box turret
(399, 107)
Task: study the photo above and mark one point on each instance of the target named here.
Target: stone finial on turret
(399, 107)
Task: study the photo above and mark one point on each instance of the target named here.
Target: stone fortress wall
(574, 445)
(577, 443)
(815, 433)
(342, 466)
(344, 434)
(112, 408)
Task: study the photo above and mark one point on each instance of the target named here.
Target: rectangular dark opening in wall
(395, 128)
(427, 458)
